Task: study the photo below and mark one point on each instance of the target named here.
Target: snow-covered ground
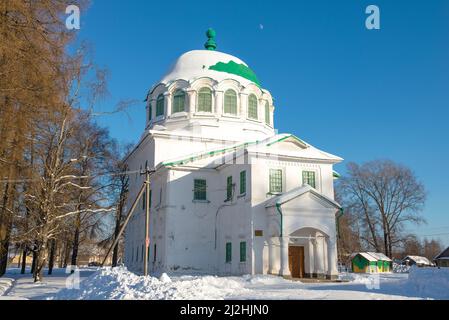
(5, 285)
(118, 283)
(23, 286)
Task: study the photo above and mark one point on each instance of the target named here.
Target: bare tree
(386, 195)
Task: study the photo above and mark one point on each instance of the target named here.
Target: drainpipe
(338, 221)
(278, 207)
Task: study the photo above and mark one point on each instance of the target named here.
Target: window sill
(157, 119)
(274, 193)
(204, 114)
(181, 114)
(200, 201)
(230, 115)
(254, 120)
(241, 195)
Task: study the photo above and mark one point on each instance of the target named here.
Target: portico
(302, 240)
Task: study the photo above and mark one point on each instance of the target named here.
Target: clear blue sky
(360, 94)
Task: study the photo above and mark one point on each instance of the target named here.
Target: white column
(191, 94)
(153, 109)
(319, 257)
(271, 257)
(311, 257)
(332, 272)
(168, 103)
(218, 103)
(285, 270)
(243, 105)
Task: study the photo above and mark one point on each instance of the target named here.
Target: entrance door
(296, 261)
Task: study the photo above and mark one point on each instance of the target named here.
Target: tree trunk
(33, 263)
(24, 260)
(60, 256)
(40, 261)
(5, 230)
(66, 253)
(51, 260)
(116, 232)
(76, 240)
(385, 236)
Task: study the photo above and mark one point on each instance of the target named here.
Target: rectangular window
(252, 107)
(243, 251)
(178, 102)
(275, 180)
(229, 188)
(199, 189)
(160, 106)
(308, 177)
(267, 113)
(243, 182)
(150, 112)
(154, 253)
(144, 196)
(137, 254)
(228, 252)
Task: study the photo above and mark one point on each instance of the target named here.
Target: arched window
(179, 99)
(205, 100)
(160, 105)
(230, 102)
(267, 113)
(252, 106)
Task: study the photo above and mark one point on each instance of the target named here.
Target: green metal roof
(238, 69)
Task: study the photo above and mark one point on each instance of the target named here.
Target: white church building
(229, 196)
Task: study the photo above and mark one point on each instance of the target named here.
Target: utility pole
(147, 221)
(145, 187)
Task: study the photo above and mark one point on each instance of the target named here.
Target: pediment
(308, 200)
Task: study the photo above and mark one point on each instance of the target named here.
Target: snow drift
(119, 283)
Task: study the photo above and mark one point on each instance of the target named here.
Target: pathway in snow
(24, 287)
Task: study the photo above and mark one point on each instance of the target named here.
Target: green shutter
(230, 102)
(228, 252)
(243, 251)
(178, 101)
(308, 177)
(205, 100)
(242, 182)
(229, 188)
(267, 113)
(252, 107)
(160, 105)
(275, 180)
(199, 189)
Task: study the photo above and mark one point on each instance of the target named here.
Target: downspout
(278, 207)
(338, 221)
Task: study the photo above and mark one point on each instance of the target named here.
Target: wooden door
(296, 261)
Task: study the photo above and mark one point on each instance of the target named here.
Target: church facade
(229, 195)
